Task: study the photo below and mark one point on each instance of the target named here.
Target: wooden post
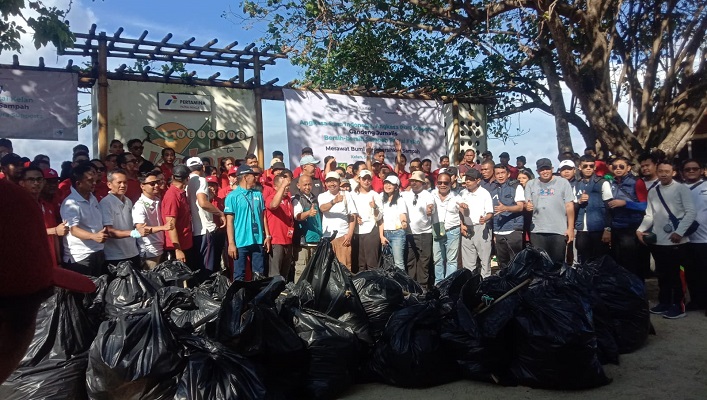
(102, 96)
(258, 110)
(456, 145)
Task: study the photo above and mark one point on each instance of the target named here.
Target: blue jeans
(445, 253)
(256, 254)
(396, 239)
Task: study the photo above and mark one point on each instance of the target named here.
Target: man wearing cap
(28, 274)
(12, 165)
(202, 219)
(421, 206)
(232, 175)
(116, 210)
(316, 174)
(308, 220)
(338, 216)
(177, 214)
(551, 201)
(308, 166)
(281, 224)
(513, 171)
(84, 243)
(568, 171)
(269, 176)
(476, 207)
(246, 225)
(508, 202)
(147, 219)
(592, 221)
(445, 227)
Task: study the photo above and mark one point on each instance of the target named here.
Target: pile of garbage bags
(141, 335)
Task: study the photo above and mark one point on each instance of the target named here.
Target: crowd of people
(463, 214)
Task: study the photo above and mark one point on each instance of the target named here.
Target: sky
(205, 22)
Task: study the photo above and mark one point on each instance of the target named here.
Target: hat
(50, 174)
(504, 155)
(345, 182)
(450, 171)
(543, 163)
(277, 154)
(567, 163)
(307, 150)
(392, 179)
(211, 179)
(245, 169)
(181, 171)
(521, 158)
(11, 159)
(193, 162)
(308, 160)
(278, 165)
(27, 262)
(332, 175)
(418, 176)
(364, 172)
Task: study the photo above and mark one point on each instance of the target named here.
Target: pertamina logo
(169, 101)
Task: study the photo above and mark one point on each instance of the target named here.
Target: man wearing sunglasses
(592, 222)
(695, 271)
(420, 206)
(135, 147)
(148, 220)
(627, 207)
(129, 164)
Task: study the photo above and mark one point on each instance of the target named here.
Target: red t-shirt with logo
(174, 204)
(280, 220)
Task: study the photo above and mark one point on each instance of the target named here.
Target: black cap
(277, 154)
(307, 150)
(504, 155)
(278, 165)
(452, 171)
(245, 169)
(11, 159)
(181, 171)
(521, 158)
(543, 163)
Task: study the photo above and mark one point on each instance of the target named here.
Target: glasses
(414, 201)
(443, 183)
(585, 166)
(620, 166)
(153, 183)
(34, 180)
(691, 169)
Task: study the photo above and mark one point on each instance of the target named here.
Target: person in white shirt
(148, 220)
(395, 220)
(477, 209)
(338, 215)
(695, 271)
(445, 227)
(420, 205)
(202, 221)
(84, 243)
(669, 214)
(368, 204)
(116, 210)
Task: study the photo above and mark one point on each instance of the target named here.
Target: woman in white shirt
(368, 205)
(395, 220)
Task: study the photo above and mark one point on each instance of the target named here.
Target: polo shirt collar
(78, 196)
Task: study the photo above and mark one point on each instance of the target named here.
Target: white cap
(364, 172)
(193, 161)
(392, 179)
(567, 163)
(333, 175)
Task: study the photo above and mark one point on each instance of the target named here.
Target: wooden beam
(102, 96)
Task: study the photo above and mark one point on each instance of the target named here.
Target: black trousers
(369, 250)
(668, 260)
(589, 245)
(630, 253)
(93, 265)
(419, 257)
(507, 246)
(555, 245)
(280, 260)
(696, 274)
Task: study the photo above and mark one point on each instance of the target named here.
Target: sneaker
(660, 309)
(675, 312)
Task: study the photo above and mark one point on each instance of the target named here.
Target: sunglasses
(691, 169)
(154, 183)
(443, 183)
(587, 166)
(620, 166)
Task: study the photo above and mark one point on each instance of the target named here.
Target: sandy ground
(672, 365)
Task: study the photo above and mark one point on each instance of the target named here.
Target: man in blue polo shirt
(246, 224)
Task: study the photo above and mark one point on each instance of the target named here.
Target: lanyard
(250, 207)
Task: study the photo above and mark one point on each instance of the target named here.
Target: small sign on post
(184, 102)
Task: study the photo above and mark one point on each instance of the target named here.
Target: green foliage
(47, 24)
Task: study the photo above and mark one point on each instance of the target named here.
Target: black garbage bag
(195, 319)
(214, 371)
(54, 366)
(169, 273)
(215, 286)
(387, 264)
(380, 296)
(95, 303)
(410, 353)
(129, 291)
(555, 341)
(334, 292)
(136, 355)
(248, 322)
(624, 296)
(332, 358)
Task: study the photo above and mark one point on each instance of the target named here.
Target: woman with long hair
(368, 204)
(395, 220)
(524, 176)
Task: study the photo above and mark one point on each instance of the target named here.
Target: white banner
(341, 125)
(38, 105)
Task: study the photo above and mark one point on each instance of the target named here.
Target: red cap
(233, 170)
(212, 179)
(27, 265)
(50, 174)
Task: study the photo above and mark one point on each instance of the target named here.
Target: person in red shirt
(505, 157)
(400, 163)
(168, 157)
(218, 237)
(443, 163)
(227, 163)
(281, 223)
(269, 176)
(177, 213)
(232, 182)
(101, 182)
(129, 163)
(32, 180)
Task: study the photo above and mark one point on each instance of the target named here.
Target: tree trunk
(557, 101)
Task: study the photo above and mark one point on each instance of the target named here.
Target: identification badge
(255, 229)
(290, 232)
(668, 228)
